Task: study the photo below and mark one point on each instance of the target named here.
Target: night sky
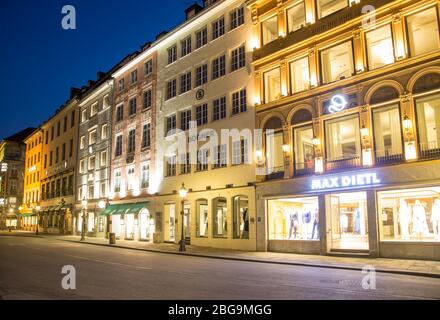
(40, 61)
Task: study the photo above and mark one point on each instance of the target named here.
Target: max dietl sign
(346, 181)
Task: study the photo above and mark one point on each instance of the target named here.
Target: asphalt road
(30, 268)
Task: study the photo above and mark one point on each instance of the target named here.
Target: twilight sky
(40, 61)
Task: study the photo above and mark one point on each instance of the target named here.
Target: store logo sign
(338, 103)
(357, 180)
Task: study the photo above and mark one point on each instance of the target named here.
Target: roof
(21, 136)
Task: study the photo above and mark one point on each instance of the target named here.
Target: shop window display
(294, 219)
(410, 215)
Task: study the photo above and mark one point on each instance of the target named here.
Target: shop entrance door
(349, 224)
(171, 210)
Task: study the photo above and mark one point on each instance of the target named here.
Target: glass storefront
(145, 225)
(129, 223)
(410, 214)
(293, 219)
(116, 225)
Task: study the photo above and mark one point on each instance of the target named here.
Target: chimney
(74, 92)
(160, 35)
(193, 10)
(100, 75)
(146, 46)
(90, 83)
(208, 3)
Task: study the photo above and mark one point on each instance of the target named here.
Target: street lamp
(38, 208)
(83, 229)
(182, 192)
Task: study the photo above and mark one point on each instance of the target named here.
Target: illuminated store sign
(346, 181)
(338, 103)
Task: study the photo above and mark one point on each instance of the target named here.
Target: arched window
(202, 218)
(427, 82)
(274, 145)
(383, 94)
(304, 150)
(301, 116)
(241, 217)
(220, 217)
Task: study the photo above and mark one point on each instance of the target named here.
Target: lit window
(238, 58)
(237, 18)
(343, 139)
(423, 32)
(296, 17)
(337, 62)
(428, 120)
(241, 217)
(104, 131)
(327, 7)
(186, 46)
(272, 85)
(380, 47)
(94, 109)
(202, 218)
(92, 137)
(304, 149)
(220, 217)
(299, 75)
(218, 28)
(269, 30)
(201, 37)
(274, 151)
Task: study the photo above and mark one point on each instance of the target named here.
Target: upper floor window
(299, 75)
(220, 156)
(237, 18)
(185, 82)
(130, 179)
(148, 67)
(186, 46)
(327, 7)
(92, 137)
(170, 166)
(423, 32)
(131, 141)
(380, 50)
(185, 119)
(219, 109)
(202, 114)
(106, 101)
(218, 28)
(133, 76)
(269, 30)
(146, 136)
(117, 181)
(72, 119)
(147, 99)
(296, 17)
(94, 109)
(118, 148)
(171, 90)
(239, 102)
(84, 115)
(121, 84)
(428, 120)
(272, 85)
(201, 37)
(104, 131)
(82, 143)
(337, 62)
(120, 113)
(202, 159)
(218, 67)
(171, 123)
(201, 75)
(172, 54)
(238, 58)
(145, 176)
(133, 106)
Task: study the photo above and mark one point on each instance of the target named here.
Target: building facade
(32, 184)
(350, 107)
(94, 156)
(12, 161)
(60, 138)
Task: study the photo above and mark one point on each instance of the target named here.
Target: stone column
(323, 226)
(373, 233)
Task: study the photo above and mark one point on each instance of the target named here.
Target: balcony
(304, 169)
(429, 150)
(274, 173)
(343, 163)
(384, 157)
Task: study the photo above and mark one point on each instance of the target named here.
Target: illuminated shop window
(272, 85)
(220, 217)
(299, 75)
(241, 217)
(269, 30)
(296, 17)
(423, 32)
(116, 225)
(380, 47)
(387, 133)
(337, 62)
(91, 222)
(410, 215)
(428, 116)
(202, 217)
(327, 7)
(293, 219)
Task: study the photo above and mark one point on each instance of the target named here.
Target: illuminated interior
(428, 115)
(423, 32)
(296, 17)
(380, 47)
(337, 62)
(387, 131)
(299, 75)
(272, 85)
(270, 30)
(327, 7)
(343, 138)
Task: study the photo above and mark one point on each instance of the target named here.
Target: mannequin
(435, 219)
(357, 221)
(344, 223)
(293, 224)
(245, 233)
(315, 224)
(306, 219)
(404, 219)
(419, 220)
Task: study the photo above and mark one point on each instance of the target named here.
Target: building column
(359, 56)
(288, 167)
(261, 225)
(323, 232)
(400, 47)
(373, 234)
(282, 25)
(408, 117)
(256, 33)
(310, 11)
(283, 78)
(313, 67)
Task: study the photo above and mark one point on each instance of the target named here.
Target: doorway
(349, 221)
(170, 210)
(146, 225)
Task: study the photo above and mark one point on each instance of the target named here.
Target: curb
(300, 264)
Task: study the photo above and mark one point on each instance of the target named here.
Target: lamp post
(38, 208)
(182, 192)
(83, 229)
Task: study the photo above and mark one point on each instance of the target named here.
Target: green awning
(109, 210)
(136, 207)
(26, 215)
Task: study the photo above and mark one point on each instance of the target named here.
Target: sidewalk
(407, 267)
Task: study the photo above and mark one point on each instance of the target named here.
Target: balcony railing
(275, 172)
(303, 169)
(343, 163)
(429, 150)
(388, 156)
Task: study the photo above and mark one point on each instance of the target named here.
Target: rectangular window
(380, 50)
(171, 89)
(201, 75)
(185, 163)
(133, 77)
(92, 137)
(71, 148)
(52, 133)
(57, 154)
(186, 46)
(296, 17)
(274, 152)
(220, 156)
(170, 166)
(117, 181)
(103, 190)
(218, 28)
(240, 152)
(72, 119)
(63, 152)
(132, 107)
(146, 136)
(294, 219)
(423, 33)
(104, 131)
(239, 103)
(343, 140)
(269, 30)
(337, 62)
(82, 143)
(327, 7)
(147, 99)
(118, 148)
(121, 84)
(94, 109)
(238, 58)
(106, 101)
(218, 67)
(387, 134)
(299, 75)
(172, 54)
(120, 113)
(202, 160)
(237, 18)
(65, 124)
(428, 121)
(219, 109)
(92, 163)
(171, 124)
(185, 118)
(201, 37)
(145, 176)
(84, 115)
(220, 218)
(131, 141)
(202, 114)
(91, 194)
(58, 129)
(185, 82)
(148, 67)
(304, 150)
(130, 179)
(409, 215)
(80, 193)
(103, 161)
(272, 85)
